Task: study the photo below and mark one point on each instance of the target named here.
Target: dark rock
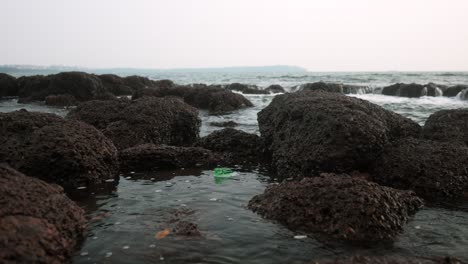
(356, 89)
(455, 90)
(8, 85)
(187, 229)
(149, 157)
(275, 88)
(311, 132)
(245, 89)
(404, 90)
(116, 85)
(82, 86)
(138, 82)
(213, 98)
(322, 86)
(164, 84)
(224, 124)
(448, 126)
(432, 169)
(61, 100)
(237, 147)
(38, 223)
(147, 120)
(435, 90)
(390, 260)
(340, 206)
(48, 147)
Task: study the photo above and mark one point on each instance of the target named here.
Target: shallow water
(125, 216)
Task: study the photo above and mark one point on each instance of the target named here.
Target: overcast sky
(320, 35)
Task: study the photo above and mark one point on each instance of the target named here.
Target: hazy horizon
(320, 36)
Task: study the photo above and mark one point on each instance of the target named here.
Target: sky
(319, 35)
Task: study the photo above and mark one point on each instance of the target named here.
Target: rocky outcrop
(212, 98)
(237, 147)
(38, 223)
(306, 133)
(447, 126)
(138, 82)
(46, 146)
(116, 84)
(8, 85)
(275, 88)
(246, 89)
(82, 86)
(322, 86)
(186, 229)
(404, 90)
(389, 260)
(434, 170)
(147, 120)
(149, 157)
(340, 206)
(61, 100)
(224, 124)
(453, 91)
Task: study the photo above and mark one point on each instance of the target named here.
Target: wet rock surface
(246, 89)
(236, 147)
(322, 86)
(275, 88)
(147, 120)
(8, 85)
(212, 98)
(46, 146)
(447, 126)
(149, 157)
(389, 260)
(434, 170)
(340, 206)
(61, 100)
(404, 90)
(82, 86)
(307, 133)
(186, 229)
(453, 91)
(38, 223)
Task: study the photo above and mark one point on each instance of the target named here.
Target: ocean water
(125, 216)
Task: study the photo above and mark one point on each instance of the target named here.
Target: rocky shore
(352, 170)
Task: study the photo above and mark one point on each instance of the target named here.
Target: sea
(126, 215)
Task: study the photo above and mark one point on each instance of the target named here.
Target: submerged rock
(453, 91)
(224, 124)
(448, 126)
(147, 120)
(275, 88)
(307, 133)
(432, 169)
(404, 90)
(46, 146)
(81, 85)
(61, 100)
(8, 85)
(246, 89)
(149, 157)
(237, 147)
(187, 229)
(390, 260)
(340, 206)
(38, 223)
(212, 98)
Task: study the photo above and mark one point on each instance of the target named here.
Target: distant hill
(22, 70)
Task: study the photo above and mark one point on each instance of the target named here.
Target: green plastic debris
(222, 172)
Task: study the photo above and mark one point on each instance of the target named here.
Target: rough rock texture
(148, 157)
(356, 89)
(61, 100)
(246, 89)
(187, 229)
(431, 169)
(237, 147)
(341, 206)
(432, 89)
(69, 153)
(447, 125)
(116, 84)
(322, 86)
(454, 90)
(275, 88)
(389, 260)
(213, 98)
(147, 120)
(8, 85)
(38, 223)
(224, 124)
(82, 86)
(311, 132)
(404, 90)
(138, 82)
